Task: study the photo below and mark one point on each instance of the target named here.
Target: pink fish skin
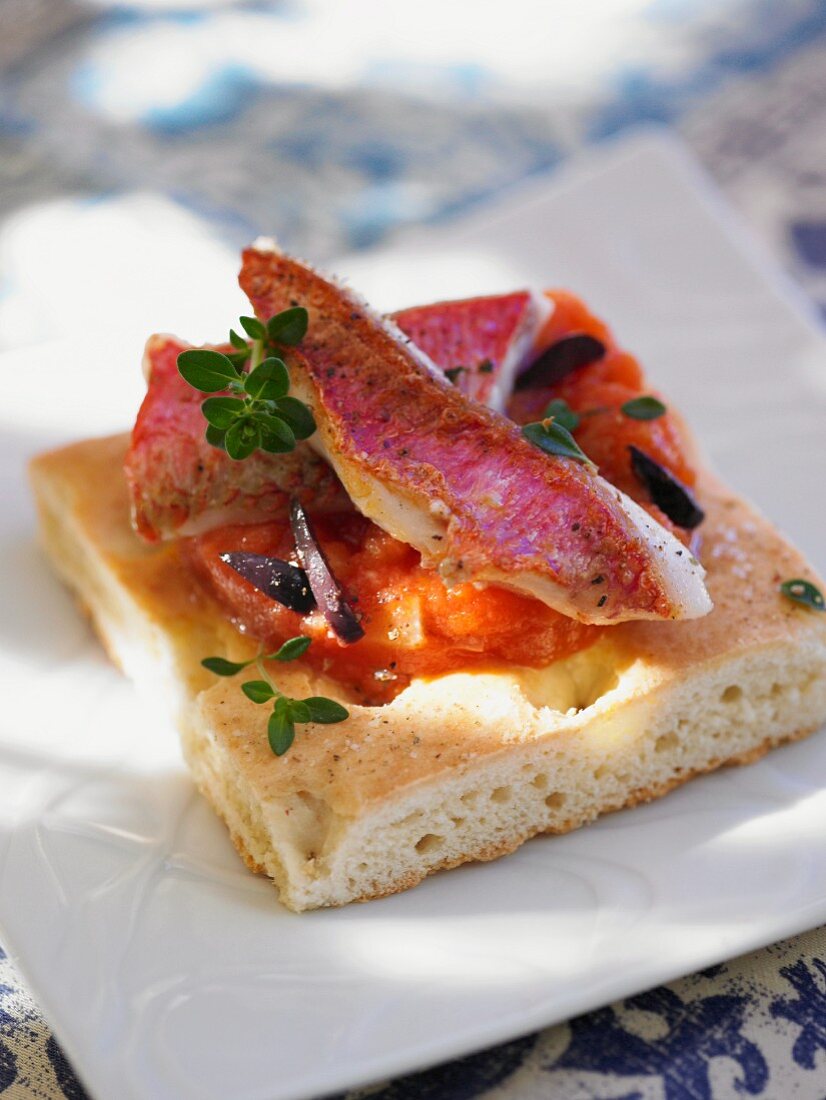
(485, 340)
(181, 485)
(458, 481)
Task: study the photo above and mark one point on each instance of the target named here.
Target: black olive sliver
(283, 582)
(667, 491)
(557, 361)
(326, 589)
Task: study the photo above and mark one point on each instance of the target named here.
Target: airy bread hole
(666, 742)
(309, 819)
(555, 801)
(540, 782)
(429, 843)
(732, 693)
(410, 820)
(574, 683)
(501, 794)
(469, 798)
(599, 683)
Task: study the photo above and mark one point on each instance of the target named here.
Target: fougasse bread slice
(463, 767)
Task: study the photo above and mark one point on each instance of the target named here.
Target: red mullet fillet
(181, 485)
(458, 481)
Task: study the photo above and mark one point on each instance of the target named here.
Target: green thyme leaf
(290, 650)
(274, 426)
(273, 391)
(297, 415)
(238, 358)
(221, 667)
(220, 412)
(269, 381)
(274, 445)
(238, 341)
(485, 367)
(325, 711)
(280, 728)
(259, 691)
(216, 437)
(207, 371)
(288, 327)
(254, 328)
(298, 710)
(452, 373)
(804, 592)
(644, 408)
(242, 438)
(552, 438)
(563, 414)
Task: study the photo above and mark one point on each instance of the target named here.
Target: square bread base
(464, 767)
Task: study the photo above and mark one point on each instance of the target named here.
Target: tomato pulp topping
(414, 625)
(597, 393)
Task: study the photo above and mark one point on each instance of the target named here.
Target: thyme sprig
(287, 712)
(804, 592)
(638, 408)
(644, 407)
(554, 438)
(561, 412)
(257, 411)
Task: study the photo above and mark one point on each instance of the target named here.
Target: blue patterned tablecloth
(330, 124)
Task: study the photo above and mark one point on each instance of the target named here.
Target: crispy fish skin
(458, 481)
(181, 485)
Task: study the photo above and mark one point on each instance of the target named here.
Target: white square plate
(168, 971)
